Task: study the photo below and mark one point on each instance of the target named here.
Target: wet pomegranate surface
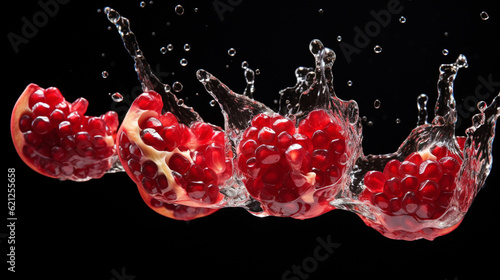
(55, 137)
(292, 170)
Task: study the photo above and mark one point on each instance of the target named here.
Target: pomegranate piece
(175, 211)
(413, 193)
(293, 171)
(54, 137)
(172, 163)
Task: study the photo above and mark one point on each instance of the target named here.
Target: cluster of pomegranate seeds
(173, 163)
(59, 140)
(413, 191)
(288, 169)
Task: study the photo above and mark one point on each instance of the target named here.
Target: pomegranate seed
(430, 169)
(374, 181)
(152, 138)
(267, 154)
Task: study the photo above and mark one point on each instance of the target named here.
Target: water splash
(313, 90)
(148, 80)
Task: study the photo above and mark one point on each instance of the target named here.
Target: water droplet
(231, 52)
(142, 4)
(398, 120)
(187, 47)
(163, 50)
(179, 10)
(321, 11)
(183, 62)
(339, 38)
(257, 71)
(117, 97)
(349, 83)
(369, 123)
(105, 74)
(213, 103)
(244, 65)
(377, 103)
(180, 102)
(153, 33)
(377, 49)
(196, 10)
(99, 11)
(170, 47)
(402, 19)
(167, 88)
(484, 15)
(177, 86)
(445, 52)
(481, 105)
(446, 33)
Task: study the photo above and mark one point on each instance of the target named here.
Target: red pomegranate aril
(284, 140)
(41, 125)
(149, 169)
(295, 156)
(321, 140)
(215, 158)
(428, 190)
(374, 181)
(267, 154)
(392, 168)
(273, 175)
(261, 120)
(430, 169)
(281, 125)
(152, 138)
(410, 202)
(266, 135)
(179, 163)
(41, 109)
(337, 146)
(409, 184)
(392, 187)
(172, 137)
(195, 173)
(80, 105)
(334, 173)
(381, 201)
(248, 147)
(447, 183)
(408, 168)
(203, 132)
(415, 157)
(25, 123)
(56, 117)
(449, 165)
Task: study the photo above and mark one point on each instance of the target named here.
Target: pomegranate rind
(188, 213)
(21, 108)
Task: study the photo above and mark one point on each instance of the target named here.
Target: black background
(101, 228)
